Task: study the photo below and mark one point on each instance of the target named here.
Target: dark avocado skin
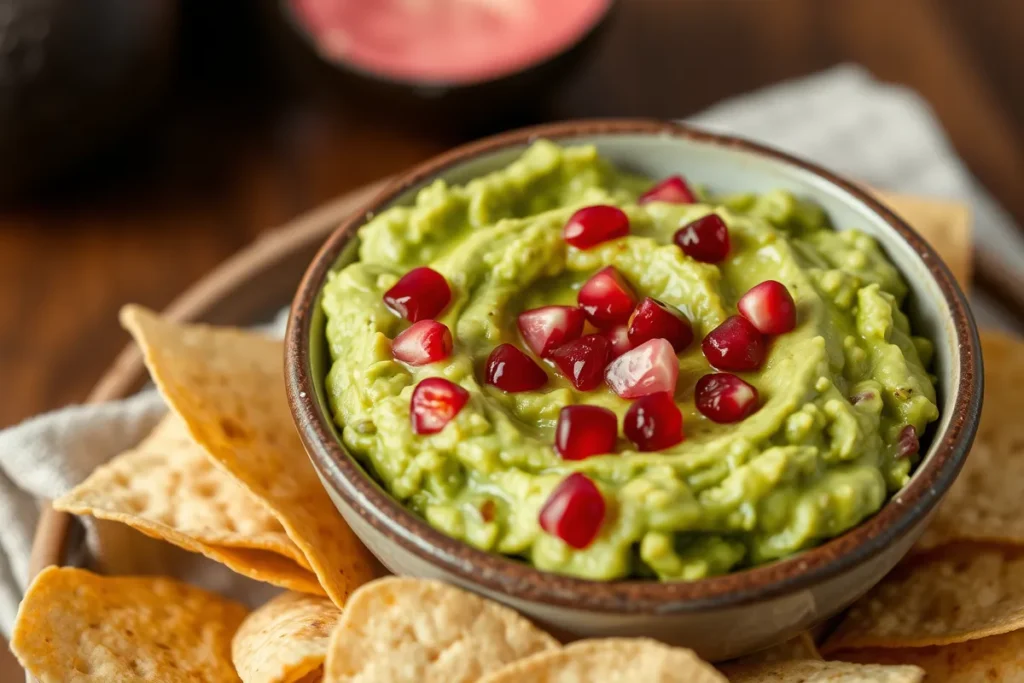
(74, 75)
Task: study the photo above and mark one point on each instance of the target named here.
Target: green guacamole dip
(819, 456)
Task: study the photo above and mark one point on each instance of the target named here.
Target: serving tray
(261, 279)
(226, 296)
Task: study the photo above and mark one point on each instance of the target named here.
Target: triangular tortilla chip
(284, 640)
(985, 502)
(817, 671)
(800, 646)
(399, 629)
(228, 387)
(959, 593)
(996, 659)
(167, 488)
(610, 660)
(76, 625)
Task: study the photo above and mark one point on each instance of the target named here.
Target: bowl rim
(520, 580)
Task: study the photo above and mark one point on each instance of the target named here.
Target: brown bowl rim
(520, 580)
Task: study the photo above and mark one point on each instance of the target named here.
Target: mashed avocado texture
(820, 454)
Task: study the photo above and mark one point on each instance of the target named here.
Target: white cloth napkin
(842, 118)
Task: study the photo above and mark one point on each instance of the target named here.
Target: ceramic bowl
(719, 617)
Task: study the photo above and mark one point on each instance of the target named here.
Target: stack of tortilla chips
(225, 475)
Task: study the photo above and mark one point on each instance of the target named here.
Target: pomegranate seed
(422, 293)
(863, 396)
(647, 369)
(705, 239)
(548, 327)
(653, 319)
(513, 371)
(723, 397)
(435, 401)
(908, 443)
(574, 511)
(769, 307)
(592, 225)
(672, 189)
(583, 361)
(618, 335)
(427, 341)
(654, 422)
(606, 298)
(734, 345)
(583, 431)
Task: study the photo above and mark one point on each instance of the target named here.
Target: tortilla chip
(76, 625)
(800, 646)
(817, 671)
(167, 488)
(985, 502)
(284, 640)
(996, 658)
(610, 660)
(945, 224)
(959, 593)
(228, 387)
(401, 629)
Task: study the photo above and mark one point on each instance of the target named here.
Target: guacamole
(840, 396)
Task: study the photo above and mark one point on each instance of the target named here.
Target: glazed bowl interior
(936, 307)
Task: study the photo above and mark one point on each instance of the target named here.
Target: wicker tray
(277, 261)
(225, 296)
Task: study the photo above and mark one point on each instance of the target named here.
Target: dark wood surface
(236, 148)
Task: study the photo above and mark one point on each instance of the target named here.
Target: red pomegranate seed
(647, 369)
(653, 319)
(583, 431)
(863, 396)
(606, 298)
(908, 443)
(672, 189)
(422, 293)
(427, 341)
(583, 361)
(618, 335)
(769, 307)
(705, 239)
(548, 327)
(654, 422)
(435, 401)
(735, 345)
(592, 225)
(574, 511)
(513, 371)
(723, 397)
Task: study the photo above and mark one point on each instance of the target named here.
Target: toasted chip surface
(610, 660)
(167, 488)
(985, 502)
(227, 385)
(800, 646)
(956, 594)
(401, 629)
(996, 658)
(285, 639)
(817, 671)
(76, 625)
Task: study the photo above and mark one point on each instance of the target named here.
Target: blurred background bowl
(482, 65)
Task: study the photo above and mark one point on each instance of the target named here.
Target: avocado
(74, 75)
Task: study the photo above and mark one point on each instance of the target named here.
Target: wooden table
(232, 154)
(230, 157)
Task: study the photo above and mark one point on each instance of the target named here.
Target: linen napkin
(883, 135)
